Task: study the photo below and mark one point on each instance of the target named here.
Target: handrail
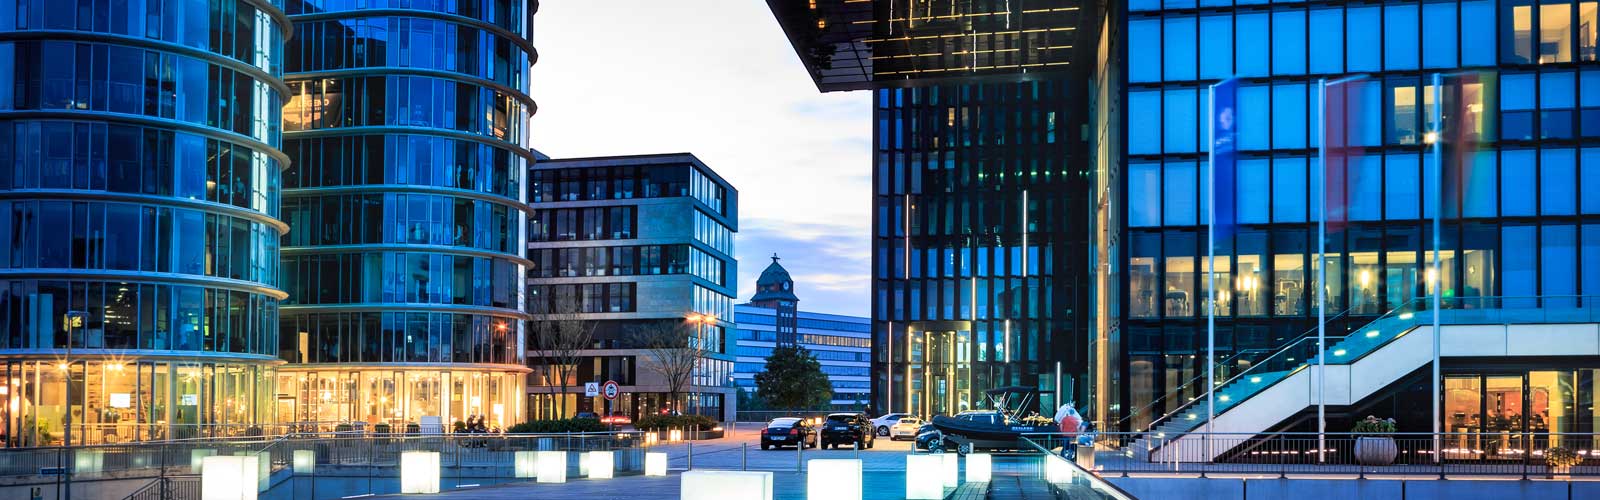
(1095, 482)
(1299, 339)
(1376, 334)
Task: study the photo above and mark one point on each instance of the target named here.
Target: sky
(717, 78)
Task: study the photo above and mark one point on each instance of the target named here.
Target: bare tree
(561, 333)
(673, 349)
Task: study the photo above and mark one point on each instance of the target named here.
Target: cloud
(717, 78)
(830, 264)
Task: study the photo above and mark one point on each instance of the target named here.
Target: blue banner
(1224, 164)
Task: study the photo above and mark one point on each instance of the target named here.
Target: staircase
(1367, 361)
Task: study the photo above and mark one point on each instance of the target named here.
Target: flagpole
(1211, 277)
(1322, 258)
(1438, 214)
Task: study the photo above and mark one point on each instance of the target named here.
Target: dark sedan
(782, 432)
(844, 429)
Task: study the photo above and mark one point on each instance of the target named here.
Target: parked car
(906, 428)
(587, 415)
(788, 431)
(883, 423)
(926, 434)
(846, 429)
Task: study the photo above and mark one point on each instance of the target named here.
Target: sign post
(610, 390)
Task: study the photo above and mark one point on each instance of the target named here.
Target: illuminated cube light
(655, 464)
(88, 461)
(922, 477)
(527, 463)
(651, 438)
(583, 464)
(229, 477)
(950, 469)
(1057, 470)
(419, 472)
(833, 479)
(601, 464)
(305, 461)
(725, 485)
(552, 466)
(979, 467)
(263, 470)
(197, 459)
(675, 435)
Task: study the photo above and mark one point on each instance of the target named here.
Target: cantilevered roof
(863, 44)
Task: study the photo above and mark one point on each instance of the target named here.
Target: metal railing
(1068, 479)
(1368, 338)
(764, 416)
(168, 488)
(1517, 454)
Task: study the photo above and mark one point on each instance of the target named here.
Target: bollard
(744, 456)
(691, 455)
(800, 454)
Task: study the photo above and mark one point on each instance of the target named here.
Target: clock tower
(775, 290)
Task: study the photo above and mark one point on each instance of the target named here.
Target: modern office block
(621, 244)
(407, 126)
(1519, 231)
(981, 192)
(139, 284)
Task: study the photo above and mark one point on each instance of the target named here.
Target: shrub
(1561, 457)
(662, 422)
(1374, 425)
(554, 426)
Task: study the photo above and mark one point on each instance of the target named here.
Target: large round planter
(1376, 450)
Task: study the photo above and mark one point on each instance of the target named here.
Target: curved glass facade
(139, 275)
(406, 127)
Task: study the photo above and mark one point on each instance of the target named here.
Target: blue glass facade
(1522, 226)
(406, 123)
(139, 289)
(979, 199)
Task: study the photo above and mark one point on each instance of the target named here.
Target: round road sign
(611, 390)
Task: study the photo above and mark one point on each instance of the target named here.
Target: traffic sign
(612, 390)
(52, 471)
(591, 389)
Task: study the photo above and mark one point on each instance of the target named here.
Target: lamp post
(72, 321)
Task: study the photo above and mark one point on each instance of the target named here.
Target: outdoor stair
(1360, 365)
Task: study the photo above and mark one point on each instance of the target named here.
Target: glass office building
(406, 123)
(1527, 224)
(980, 190)
(139, 202)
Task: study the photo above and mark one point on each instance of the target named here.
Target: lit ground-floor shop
(107, 399)
(549, 403)
(364, 397)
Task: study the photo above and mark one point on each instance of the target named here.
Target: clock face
(786, 285)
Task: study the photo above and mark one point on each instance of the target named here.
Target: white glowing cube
(655, 464)
(264, 471)
(305, 461)
(725, 485)
(833, 479)
(601, 464)
(551, 466)
(229, 477)
(583, 464)
(950, 469)
(922, 477)
(1057, 470)
(979, 467)
(651, 438)
(419, 472)
(88, 462)
(675, 435)
(526, 463)
(197, 459)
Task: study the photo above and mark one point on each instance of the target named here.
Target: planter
(1561, 472)
(1376, 450)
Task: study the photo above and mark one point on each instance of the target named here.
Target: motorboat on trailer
(1000, 428)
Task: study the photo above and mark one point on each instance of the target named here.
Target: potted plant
(1374, 445)
(1560, 459)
